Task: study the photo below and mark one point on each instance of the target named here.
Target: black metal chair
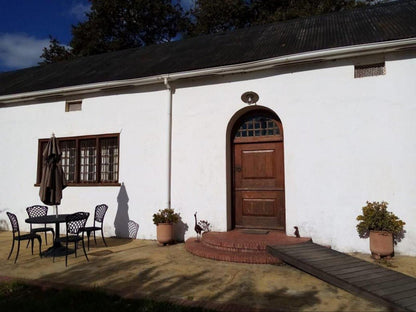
(99, 215)
(74, 224)
(19, 237)
(39, 211)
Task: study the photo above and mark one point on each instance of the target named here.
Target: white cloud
(20, 50)
(79, 10)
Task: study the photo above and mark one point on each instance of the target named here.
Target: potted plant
(383, 228)
(164, 221)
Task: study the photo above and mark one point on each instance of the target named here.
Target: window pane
(88, 161)
(109, 160)
(68, 150)
(263, 125)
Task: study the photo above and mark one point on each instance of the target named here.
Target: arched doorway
(258, 192)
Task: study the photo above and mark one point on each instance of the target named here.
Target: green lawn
(17, 296)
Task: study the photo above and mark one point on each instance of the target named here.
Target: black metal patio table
(57, 247)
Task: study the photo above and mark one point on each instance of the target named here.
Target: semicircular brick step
(245, 246)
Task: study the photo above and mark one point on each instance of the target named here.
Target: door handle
(237, 168)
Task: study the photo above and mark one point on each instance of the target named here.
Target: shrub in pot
(164, 221)
(382, 226)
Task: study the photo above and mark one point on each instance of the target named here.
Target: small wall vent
(72, 106)
(369, 70)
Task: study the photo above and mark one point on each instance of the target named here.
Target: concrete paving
(141, 268)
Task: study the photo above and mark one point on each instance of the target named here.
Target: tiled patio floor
(140, 268)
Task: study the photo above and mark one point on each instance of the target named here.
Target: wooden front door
(259, 195)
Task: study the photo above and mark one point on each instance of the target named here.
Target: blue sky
(25, 26)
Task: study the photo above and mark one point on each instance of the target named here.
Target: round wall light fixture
(250, 97)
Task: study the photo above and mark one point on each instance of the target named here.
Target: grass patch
(18, 296)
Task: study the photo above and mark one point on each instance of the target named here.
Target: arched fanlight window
(258, 126)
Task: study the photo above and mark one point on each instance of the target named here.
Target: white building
(145, 129)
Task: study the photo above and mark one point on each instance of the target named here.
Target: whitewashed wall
(142, 121)
(346, 141)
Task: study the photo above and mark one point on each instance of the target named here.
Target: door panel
(259, 185)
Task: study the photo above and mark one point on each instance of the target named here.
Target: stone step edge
(253, 246)
(196, 248)
(227, 246)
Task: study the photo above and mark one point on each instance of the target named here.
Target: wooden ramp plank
(336, 263)
(391, 283)
(377, 281)
(407, 302)
(394, 289)
(360, 270)
(364, 274)
(403, 295)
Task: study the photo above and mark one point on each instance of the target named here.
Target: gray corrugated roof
(380, 23)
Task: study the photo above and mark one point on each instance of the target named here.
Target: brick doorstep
(199, 249)
(236, 246)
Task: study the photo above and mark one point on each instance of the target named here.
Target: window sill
(89, 184)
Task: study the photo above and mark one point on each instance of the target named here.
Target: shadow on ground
(161, 280)
(117, 241)
(139, 268)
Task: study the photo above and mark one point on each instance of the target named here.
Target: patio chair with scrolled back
(74, 224)
(99, 215)
(39, 211)
(19, 237)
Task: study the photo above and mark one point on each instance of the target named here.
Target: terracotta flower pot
(381, 244)
(164, 233)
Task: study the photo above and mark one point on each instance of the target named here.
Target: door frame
(231, 130)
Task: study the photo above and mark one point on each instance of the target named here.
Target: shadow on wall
(133, 229)
(180, 228)
(124, 227)
(122, 217)
(3, 225)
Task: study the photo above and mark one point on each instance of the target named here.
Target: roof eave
(306, 57)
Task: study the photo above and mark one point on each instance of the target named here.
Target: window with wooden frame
(87, 160)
